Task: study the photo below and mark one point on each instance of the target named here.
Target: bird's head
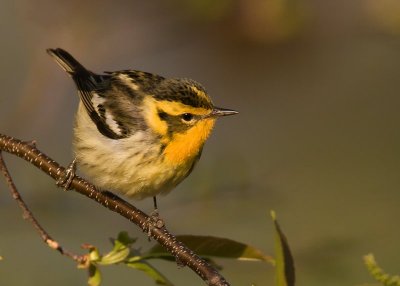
(182, 114)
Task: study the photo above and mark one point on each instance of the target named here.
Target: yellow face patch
(151, 107)
(186, 146)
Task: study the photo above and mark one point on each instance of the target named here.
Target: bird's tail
(67, 62)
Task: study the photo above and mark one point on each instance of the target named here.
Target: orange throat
(184, 147)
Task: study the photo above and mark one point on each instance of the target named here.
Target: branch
(184, 255)
(27, 214)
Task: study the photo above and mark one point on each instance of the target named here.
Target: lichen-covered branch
(28, 215)
(184, 255)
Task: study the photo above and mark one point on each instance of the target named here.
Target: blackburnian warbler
(138, 133)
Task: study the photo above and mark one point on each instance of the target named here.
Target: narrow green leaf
(94, 275)
(284, 263)
(378, 273)
(209, 246)
(151, 272)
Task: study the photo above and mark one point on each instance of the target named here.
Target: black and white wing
(90, 86)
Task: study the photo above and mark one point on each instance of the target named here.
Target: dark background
(317, 138)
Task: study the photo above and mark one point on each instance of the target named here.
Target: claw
(156, 220)
(153, 224)
(66, 179)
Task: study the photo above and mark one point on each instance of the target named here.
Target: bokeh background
(317, 139)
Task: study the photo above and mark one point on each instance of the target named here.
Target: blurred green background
(317, 139)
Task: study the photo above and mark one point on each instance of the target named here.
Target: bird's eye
(187, 117)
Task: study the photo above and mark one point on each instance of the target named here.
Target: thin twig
(183, 254)
(28, 215)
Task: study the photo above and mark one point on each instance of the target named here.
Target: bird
(137, 133)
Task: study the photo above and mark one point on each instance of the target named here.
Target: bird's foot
(154, 221)
(66, 179)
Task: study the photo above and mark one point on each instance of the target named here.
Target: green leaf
(125, 239)
(120, 254)
(94, 254)
(379, 274)
(150, 271)
(284, 263)
(120, 251)
(94, 275)
(209, 246)
(114, 257)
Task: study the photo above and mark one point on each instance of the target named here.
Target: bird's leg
(154, 218)
(155, 211)
(155, 215)
(66, 179)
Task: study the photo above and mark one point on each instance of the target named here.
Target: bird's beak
(217, 112)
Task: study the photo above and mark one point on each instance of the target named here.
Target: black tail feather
(67, 62)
